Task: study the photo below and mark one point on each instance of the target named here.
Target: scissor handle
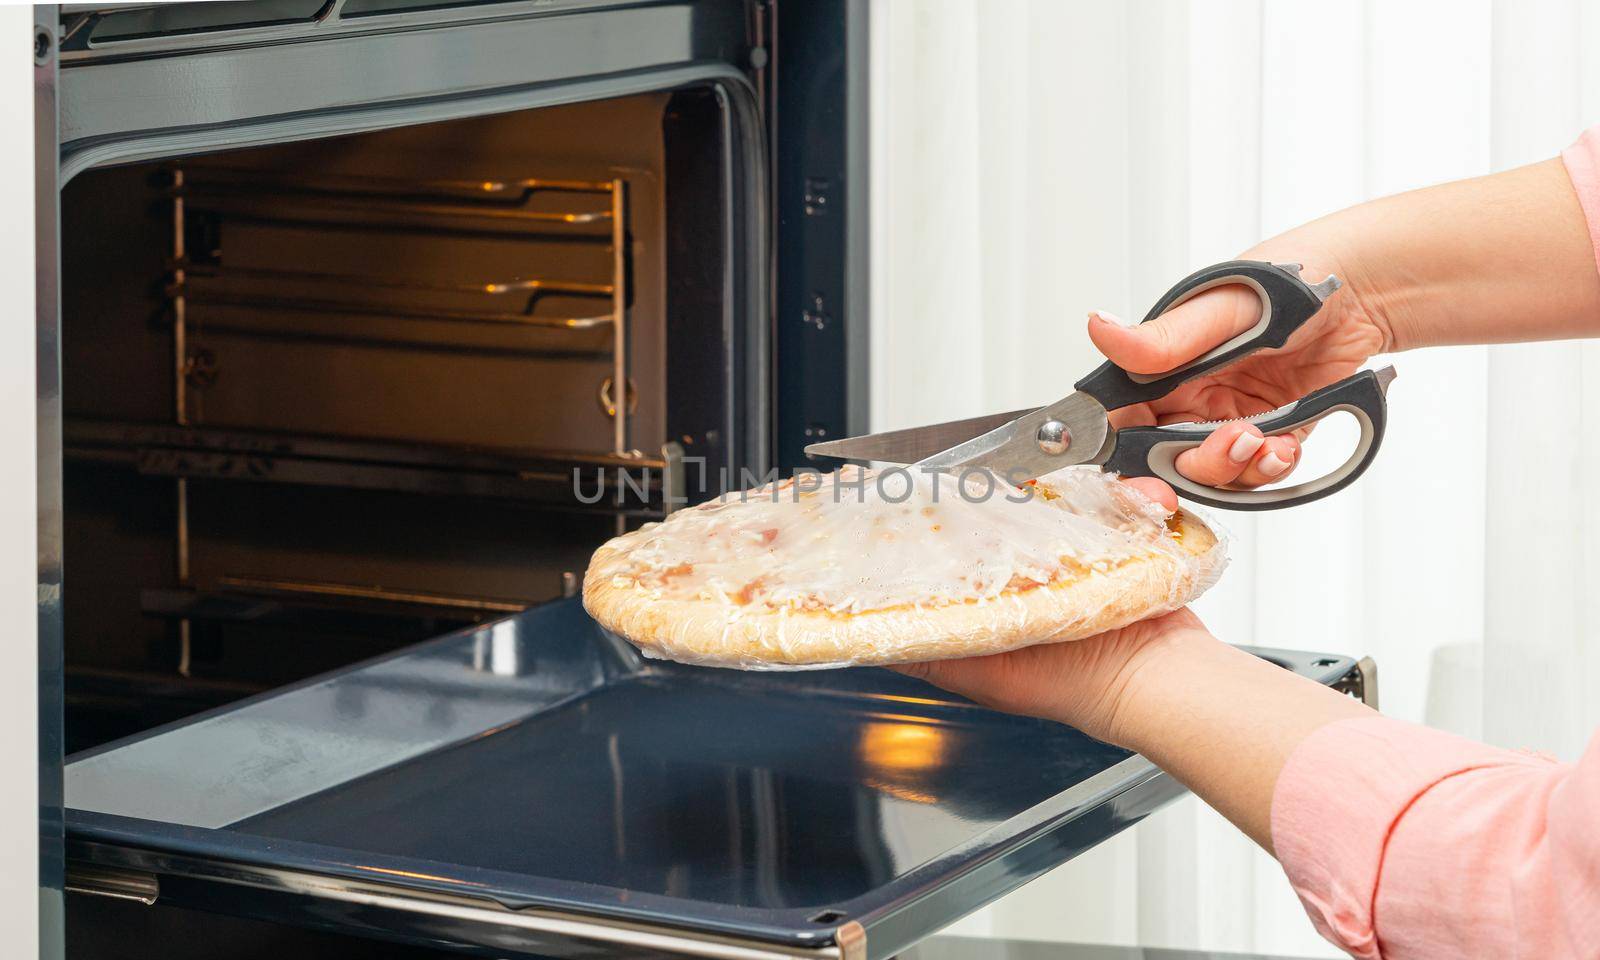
(1153, 451)
(1287, 302)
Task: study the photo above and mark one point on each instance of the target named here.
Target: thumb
(956, 676)
(1179, 335)
(928, 671)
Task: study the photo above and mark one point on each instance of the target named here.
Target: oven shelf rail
(529, 208)
(440, 204)
(207, 285)
(633, 484)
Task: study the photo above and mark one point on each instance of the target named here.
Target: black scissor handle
(1153, 451)
(1287, 302)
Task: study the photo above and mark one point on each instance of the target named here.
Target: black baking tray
(533, 786)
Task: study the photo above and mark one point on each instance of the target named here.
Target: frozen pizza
(864, 567)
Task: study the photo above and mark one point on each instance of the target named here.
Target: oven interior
(325, 399)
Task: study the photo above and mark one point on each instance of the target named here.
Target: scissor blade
(1013, 449)
(913, 443)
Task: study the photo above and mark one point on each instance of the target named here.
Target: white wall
(1035, 159)
(19, 745)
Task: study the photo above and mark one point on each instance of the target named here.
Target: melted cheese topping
(859, 540)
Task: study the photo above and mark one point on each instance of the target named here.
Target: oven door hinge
(1361, 682)
(674, 493)
(119, 884)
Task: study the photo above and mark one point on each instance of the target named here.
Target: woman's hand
(1501, 258)
(1332, 345)
(1497, 259)
(1082, 684)
(1220, 720)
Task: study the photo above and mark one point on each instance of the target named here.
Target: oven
(375, 318)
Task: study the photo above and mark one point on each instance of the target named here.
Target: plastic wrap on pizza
(864, 567)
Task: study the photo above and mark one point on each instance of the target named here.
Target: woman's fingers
(1272, 463)
(1224, 455)
(1179, 335)
(1235, 455)
(1156, 489)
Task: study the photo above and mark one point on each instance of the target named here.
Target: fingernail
(1271, 465)
(1245, 446)
(1105, 317)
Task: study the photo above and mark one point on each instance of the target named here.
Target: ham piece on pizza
(863, 567)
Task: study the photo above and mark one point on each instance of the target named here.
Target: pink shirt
(1407, 842)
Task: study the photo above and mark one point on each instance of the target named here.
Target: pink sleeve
(1407, 842)
(1583, 166)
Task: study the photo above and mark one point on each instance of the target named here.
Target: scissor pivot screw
(1054, 437)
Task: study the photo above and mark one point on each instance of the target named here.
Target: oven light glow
(896, 747)
(900, 759)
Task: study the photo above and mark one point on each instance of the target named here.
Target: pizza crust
(691, 631)
(1175, 563)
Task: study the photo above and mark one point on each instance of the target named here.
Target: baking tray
(534, 787)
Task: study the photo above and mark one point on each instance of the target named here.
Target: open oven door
(534, 787)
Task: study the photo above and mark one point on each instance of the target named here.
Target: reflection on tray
(534, 746)
(901, 757)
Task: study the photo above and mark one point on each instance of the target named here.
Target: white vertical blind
(1036, 159)
(1541, 653)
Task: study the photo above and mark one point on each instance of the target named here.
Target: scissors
(1073, 430)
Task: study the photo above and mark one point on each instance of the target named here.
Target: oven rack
(319, 606)
(368, 620)
(295, 289)
(442, 203)
(632, 484)
(254, 297)
(208, 284)
(373, 618)
(104, 700)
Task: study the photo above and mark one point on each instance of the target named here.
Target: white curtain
(1035, 159)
